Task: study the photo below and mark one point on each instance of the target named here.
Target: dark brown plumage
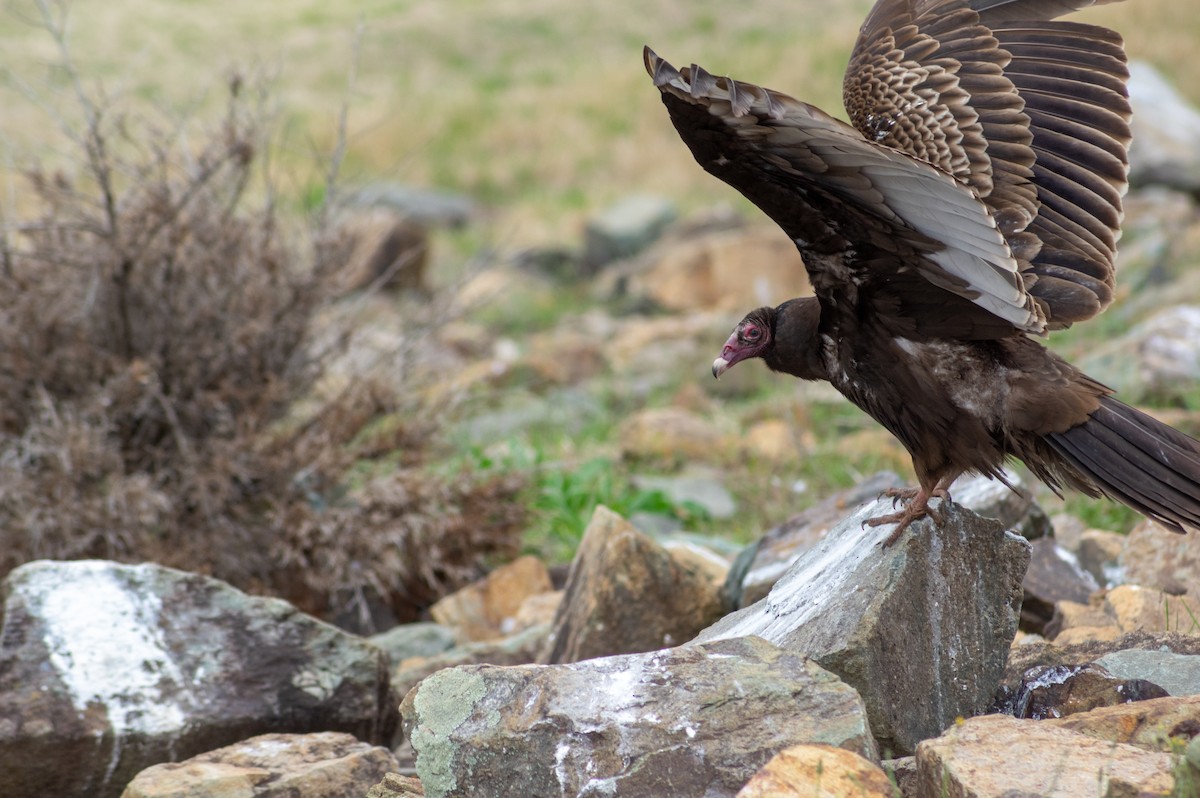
(975, 200)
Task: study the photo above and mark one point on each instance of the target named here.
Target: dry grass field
(539, 108)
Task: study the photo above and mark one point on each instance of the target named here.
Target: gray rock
(694, 720)
(1099, 554)
(1178, 674)
(932, 616)
(1159, 359)
(1023, 658)
(626, 594)
(427, 206)
(520, 648)
(625, 228)
(991, 498)
(1054, 575)
(106, 669)
(414, 640)
(271, 766)
(1166, 129)
(698, 486)
(760, 565)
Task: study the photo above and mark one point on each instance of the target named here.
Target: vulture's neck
(797, 346)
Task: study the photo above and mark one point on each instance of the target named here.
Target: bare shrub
(156, 318)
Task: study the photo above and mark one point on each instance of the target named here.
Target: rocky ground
(1020, 649)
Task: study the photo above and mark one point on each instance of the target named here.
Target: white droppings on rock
(838, 555)
(560, 765)
(105, 641)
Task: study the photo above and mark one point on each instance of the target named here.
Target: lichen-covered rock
(627, 594)
(106, 669)
(271, 766)
(932, 616)
(694, 720)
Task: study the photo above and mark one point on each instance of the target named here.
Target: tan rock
(818, 771)
(1156, 557)
(270, 766)
(1069, 615)
(396, 786)
(1088, 634)
(663, 342)
(1145, 724)
(700, 560)
(537, 609)
(669, 433)
(773, 440)
(487, 609)
(560, 358)
(1148, 610)
(626, 594)
(731, 270)
(996, 755)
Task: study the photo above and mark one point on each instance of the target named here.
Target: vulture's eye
(751, 333)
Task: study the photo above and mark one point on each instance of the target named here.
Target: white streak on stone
(105, 642)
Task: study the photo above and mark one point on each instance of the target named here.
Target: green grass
(564, 499)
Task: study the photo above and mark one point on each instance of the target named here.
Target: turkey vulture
(973, 203)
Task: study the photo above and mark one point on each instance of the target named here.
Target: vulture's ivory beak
(720, 366)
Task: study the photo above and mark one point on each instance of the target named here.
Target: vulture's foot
(916, 507)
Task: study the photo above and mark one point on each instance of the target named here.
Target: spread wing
(1030, 112)
(869, 218)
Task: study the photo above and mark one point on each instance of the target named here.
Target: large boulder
(106, 669)
(694, 720)
(932, 616)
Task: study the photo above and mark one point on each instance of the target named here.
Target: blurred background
(350, 302)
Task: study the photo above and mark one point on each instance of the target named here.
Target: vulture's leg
(916, 507)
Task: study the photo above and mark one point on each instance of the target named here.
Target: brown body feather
(975, 200)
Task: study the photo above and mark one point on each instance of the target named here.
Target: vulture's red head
(752, 337)
(785, 337)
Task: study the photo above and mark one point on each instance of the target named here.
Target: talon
(917, 507)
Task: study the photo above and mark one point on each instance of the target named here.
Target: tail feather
(1138, 461)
